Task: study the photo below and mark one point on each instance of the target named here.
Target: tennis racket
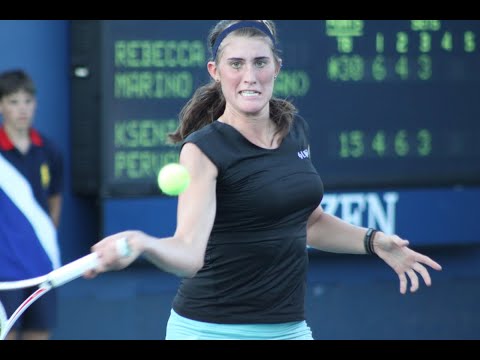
(45, 283)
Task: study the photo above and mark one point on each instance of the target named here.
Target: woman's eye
(236, 64)
(260, 63)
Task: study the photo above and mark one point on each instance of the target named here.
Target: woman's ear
(212, 70)
(279, 66)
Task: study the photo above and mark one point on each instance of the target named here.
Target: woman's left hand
(404, 261)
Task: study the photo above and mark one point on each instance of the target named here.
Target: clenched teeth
(249, 93)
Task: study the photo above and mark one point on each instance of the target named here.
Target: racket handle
(72, 270)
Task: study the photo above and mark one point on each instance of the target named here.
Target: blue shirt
(28, 238)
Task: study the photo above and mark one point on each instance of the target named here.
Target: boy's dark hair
(16, 80)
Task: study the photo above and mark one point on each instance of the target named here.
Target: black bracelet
(368, 241)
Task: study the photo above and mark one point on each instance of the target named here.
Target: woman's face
(246, 70)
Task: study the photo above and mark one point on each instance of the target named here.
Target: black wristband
(368, 241)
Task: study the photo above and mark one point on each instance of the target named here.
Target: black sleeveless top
(256, 257)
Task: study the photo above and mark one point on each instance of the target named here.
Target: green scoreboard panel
(390, 103)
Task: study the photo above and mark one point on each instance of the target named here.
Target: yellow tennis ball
(173, 179)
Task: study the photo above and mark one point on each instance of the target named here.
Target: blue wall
(349, 297)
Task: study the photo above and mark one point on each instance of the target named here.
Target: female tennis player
(252, 206)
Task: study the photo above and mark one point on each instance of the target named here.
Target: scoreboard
(390, 103)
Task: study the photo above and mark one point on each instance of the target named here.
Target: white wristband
(123, 249)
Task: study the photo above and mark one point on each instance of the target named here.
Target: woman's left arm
(330, 233)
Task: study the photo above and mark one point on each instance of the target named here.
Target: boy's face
(18, 109)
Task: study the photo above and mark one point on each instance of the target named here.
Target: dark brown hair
(208, 104)
(15, 80)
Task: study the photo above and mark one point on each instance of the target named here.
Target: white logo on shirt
(304, 154)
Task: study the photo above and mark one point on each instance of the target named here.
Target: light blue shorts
(182, 328)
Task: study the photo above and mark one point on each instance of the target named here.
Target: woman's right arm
(183, 253)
